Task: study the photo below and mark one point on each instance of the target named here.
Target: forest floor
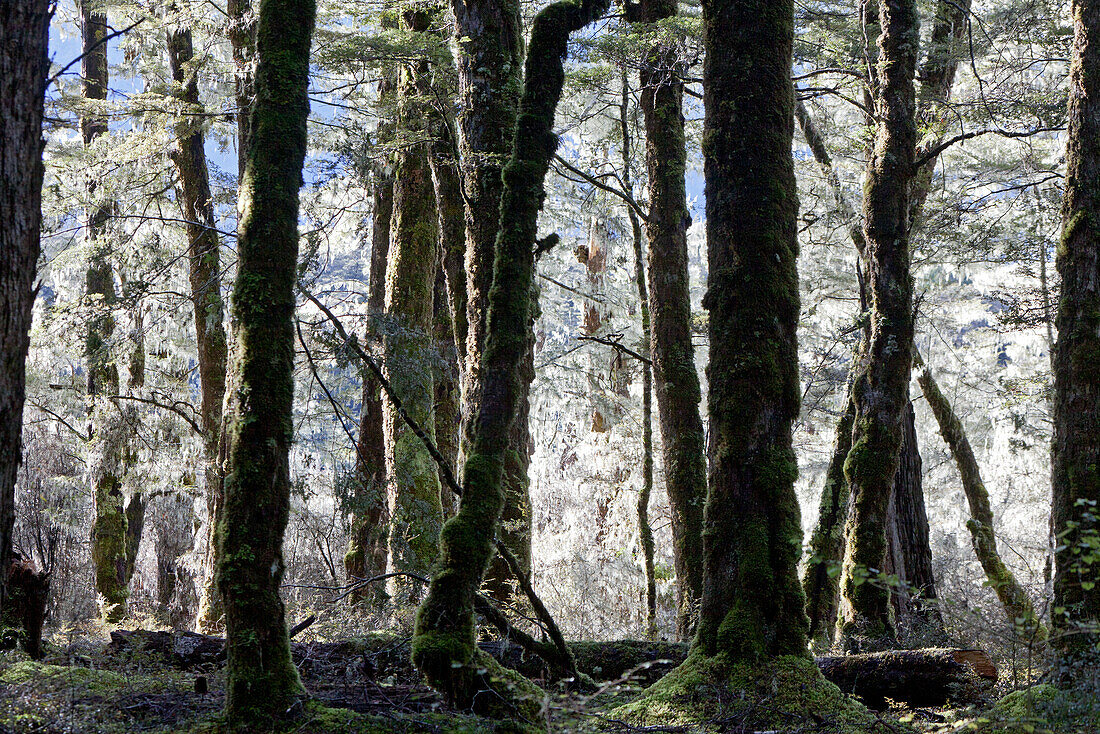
(87, 685)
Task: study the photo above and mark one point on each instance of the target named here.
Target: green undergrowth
(787, 694)
(1041, 709)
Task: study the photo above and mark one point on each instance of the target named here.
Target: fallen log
(926, 677)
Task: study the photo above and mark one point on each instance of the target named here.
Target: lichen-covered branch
(1021, 613)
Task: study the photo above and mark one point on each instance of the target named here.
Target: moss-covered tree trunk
(946, 47)
(409, 344)
(242, 39)
(490, 58)
(909, 553)
(444, 645)
(677, 382)
(447, 390)
(261, 678)
(1017, 606)
(1076, 448)
(107, 432)
(450, 298)
(369, 547)
(881, 385)
(24, 63)
(821, 578)
(752, 603)
(204, 274)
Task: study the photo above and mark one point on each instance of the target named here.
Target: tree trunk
(677, 382)
(752, 604)
(261, 678)
(645, 529)
(489, 64)
(409, 345)
(937, 76)
(916, 611)
(821, 579)
(242, 38)
(450, 298)
(204, 272)
(369, 549)
(444, 644)
(109, 528)
(1076, 448)
(24, 64)
(1021, 614)
(447, 381)
(881, 386)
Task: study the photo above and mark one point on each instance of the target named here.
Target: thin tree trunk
(204, 273)
(677, 382)
(447, 392)
(109, 528)
(1018, 608)
(450, 297)
(408, 347)
(261, 677)
(24, 63)
(444, 644)
(645, 530)
(242, 39)
(946, 47)
(881, 386)
(752, 604)
(369, 549)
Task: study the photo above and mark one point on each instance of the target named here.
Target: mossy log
(928, 677)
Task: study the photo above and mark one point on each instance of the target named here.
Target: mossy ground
(788, 694)
(1040, 709)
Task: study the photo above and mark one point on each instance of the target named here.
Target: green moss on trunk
(409, 350)
(674, 373)
(261, 678)
(752, 604)
(1076, 446)
(882, 383)
(444, 645)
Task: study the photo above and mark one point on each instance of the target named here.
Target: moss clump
(714, 695)
(1043, 708)
(87, 678)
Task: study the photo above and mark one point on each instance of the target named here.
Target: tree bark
(909, 553)
(489, 63)
(369, 548)
(444, 644)
(1018, 608)
(677, 382)
(752, 604)
(409, 344)
(645, 529)
(821, 579)
(204, 274)
(109, 527)
(881, 386)
(24, 64)
(261, 678)
(1076, 447)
